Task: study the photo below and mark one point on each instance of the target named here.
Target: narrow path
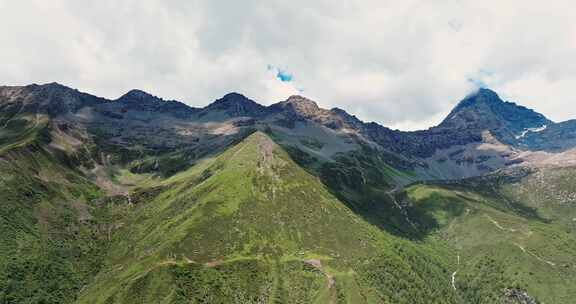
(498, 224)
(518, 245)
(455, 272)
(534, 255)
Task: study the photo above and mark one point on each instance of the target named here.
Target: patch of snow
(533, 130)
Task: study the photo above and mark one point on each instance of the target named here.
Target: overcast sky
(401, 63)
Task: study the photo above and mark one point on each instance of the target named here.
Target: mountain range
(146, 200)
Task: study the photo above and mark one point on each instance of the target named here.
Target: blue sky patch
(284, 76)
(281, 75)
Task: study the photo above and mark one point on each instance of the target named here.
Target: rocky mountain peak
(232, 100)
(234, 96)
(139, 100)
(140, 97)
(300, 105)
(51, 98)
(485, 109)
(53, 88)
(136, 94)
(235, 105)
(302, 102)
(481, 97)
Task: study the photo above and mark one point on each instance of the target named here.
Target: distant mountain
(156, 124)
(137, 100)
(52, 99)
(232, 105)
(484, 110)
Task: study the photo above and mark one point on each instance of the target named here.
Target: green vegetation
(252, 226)
(49, 243)
(498, 245)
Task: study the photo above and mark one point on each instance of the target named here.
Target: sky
(403, 64)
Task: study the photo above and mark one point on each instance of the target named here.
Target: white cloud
(400, 63)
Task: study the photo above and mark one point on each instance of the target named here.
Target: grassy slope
(252, 227)
(365, 182)
(552, 192)
(499, 246)
(50, 241)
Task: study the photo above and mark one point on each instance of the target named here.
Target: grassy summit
(250, 226)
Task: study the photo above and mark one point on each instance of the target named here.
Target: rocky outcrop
(518, 296)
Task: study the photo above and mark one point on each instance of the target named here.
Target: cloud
(400, 63)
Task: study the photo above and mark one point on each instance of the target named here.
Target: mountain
(52, 99)
(137, 100)
(143, 200)
(481, 118)
(555, 137)
(486, 111)
(233, 105)
(251, 225)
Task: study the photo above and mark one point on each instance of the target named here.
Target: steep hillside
(506, 237)
(252, 227)
(51, 235)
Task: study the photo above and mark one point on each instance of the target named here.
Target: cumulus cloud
(401, 63)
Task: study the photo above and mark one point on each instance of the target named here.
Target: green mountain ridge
(251, 226)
